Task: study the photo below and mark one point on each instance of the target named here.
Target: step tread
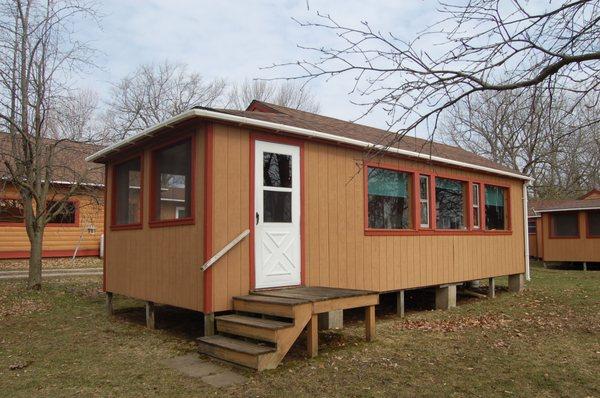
(256, 322)
(236, 345)
(272, 300)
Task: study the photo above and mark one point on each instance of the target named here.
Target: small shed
(215, 209)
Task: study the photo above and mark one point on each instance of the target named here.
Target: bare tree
(477, 46)
(288, 94)
(156, 92)
(38, 54)
(529, 131)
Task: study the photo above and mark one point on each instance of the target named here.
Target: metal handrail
(224, 250)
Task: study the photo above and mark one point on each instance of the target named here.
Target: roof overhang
(225, 117)
(567, 209)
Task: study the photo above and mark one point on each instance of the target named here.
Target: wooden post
(491, 288)
(370, 323)
(150, 319)
(209, 324)
(312, 336)
(400, 304)
(109, 304)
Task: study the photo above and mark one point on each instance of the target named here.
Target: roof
(69, 159)
(282, 119)
(588, 202)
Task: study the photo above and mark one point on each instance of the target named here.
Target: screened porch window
(450, 203)
(496, 216)
(389, 199)
(11, 211)
(127, 192)
(594, 223)
(172, 182)
(565, 225)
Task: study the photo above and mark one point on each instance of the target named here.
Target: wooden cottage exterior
(566, 230)
(78, 229)
(320, 210)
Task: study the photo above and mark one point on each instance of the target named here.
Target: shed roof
(556, 205)
(283, 119)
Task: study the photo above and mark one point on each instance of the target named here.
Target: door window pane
(277, 170)
(495, 208)
(11, 211)
(277, 206)
(388, 195)
(565, 224)
(127, 190)
(594, 223)
(172, 175)
(450, 203)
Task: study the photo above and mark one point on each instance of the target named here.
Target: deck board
(313, 294)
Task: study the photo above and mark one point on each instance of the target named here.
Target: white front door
(277, 214)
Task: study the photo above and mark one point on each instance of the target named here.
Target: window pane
(495, 209)
(277, 170)
(127, 190)
(565, 224)
(277, 206)
(476, 217)
(450, 203)
(66, 216)
(11, 210)
(425, 214)
(594, 223)
(532, 227)
(388, 195)
(173, 171)
(475, 194)
(424, 187)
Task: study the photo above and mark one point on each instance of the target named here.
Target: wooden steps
(251, 340)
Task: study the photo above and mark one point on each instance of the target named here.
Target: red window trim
(551, 232)
(191, 220)
(75, 224)
(588, 234)
(433, 230)
(113, 205)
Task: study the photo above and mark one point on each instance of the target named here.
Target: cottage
(78, 230)
(281, 212)
(566, 230)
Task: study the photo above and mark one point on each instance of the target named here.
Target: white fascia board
(573, 209)
(295, 130)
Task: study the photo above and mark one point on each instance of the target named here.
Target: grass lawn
(52, 263)
(542, 342)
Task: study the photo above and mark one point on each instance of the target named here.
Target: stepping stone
(224, 379)
(191, 365)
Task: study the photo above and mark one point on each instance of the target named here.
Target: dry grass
(53, 263)
(544, 342)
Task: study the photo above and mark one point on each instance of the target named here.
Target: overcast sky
(234, 39)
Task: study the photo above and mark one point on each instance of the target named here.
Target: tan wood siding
(160, 264)
(581, 249)
(337, 252)
(58, 239)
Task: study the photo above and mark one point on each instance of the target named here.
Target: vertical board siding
(581, 249)
(337, 252)
(58, 238)
(160, 264)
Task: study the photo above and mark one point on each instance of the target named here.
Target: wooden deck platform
(261, 343)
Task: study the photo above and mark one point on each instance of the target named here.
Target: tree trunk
(35, 262)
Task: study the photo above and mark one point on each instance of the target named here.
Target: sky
(234, 39)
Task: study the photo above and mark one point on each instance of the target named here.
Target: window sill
(171, 223)
(123, 227)
(564, 237)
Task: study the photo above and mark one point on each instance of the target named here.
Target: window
(388, 199)
(532, 226)
(496, 216)
(172, 182)
(277, 187)
(450, 203)
(476, 207)
(565, 224)
(424, 199)
(593, 221)
(11, 211)
(68, 214)
(127, 191)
